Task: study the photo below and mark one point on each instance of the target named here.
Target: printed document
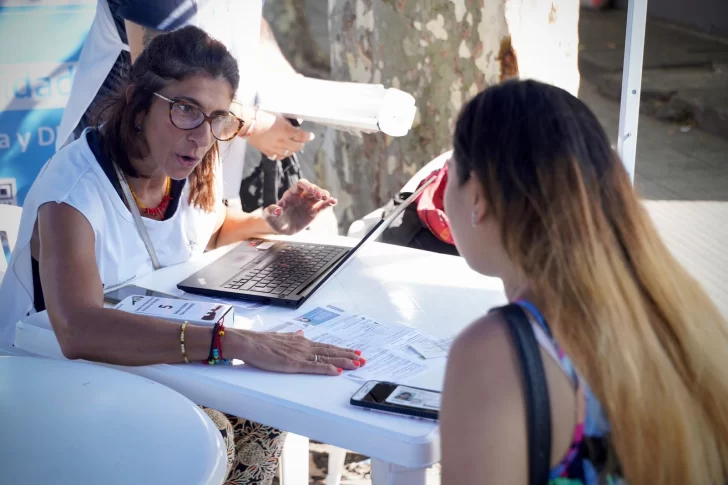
(387, 347)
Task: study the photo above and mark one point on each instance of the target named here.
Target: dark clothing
(154, 14)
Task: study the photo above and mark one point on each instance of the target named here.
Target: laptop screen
(373, 234)
(380, 226)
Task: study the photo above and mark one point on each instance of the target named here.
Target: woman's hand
(297, 208)
(290, 353)
(276, 137)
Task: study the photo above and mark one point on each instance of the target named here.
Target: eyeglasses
(187, 116)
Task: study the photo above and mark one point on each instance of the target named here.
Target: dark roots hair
(634, 322)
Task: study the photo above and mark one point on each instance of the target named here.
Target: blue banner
(42, 41)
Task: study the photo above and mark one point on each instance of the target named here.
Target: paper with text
(386, 346)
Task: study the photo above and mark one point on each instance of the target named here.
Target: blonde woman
(633, 351)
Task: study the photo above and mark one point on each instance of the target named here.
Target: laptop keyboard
(292, 266)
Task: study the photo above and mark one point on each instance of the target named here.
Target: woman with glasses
(156, 153)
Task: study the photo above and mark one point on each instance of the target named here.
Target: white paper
(384, 345)
(445, 343)
(241, 306)
(387, 365)
(286, 327)
(428, 349)
(197, 312)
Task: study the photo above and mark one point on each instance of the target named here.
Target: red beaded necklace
(161, 208)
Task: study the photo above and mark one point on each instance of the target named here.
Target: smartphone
(399, 399)
(116, 296)
(6, 245)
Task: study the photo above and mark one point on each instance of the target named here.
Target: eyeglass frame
(204, 117)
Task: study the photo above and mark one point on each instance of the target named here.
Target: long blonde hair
(640, 329)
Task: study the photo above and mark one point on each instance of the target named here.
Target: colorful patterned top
(585, 460)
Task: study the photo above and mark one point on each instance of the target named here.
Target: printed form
(390, 349)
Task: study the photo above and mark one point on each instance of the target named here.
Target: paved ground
(682, 172)
(685, 72)
(684, 178)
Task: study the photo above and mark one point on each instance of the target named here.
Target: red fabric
(431, 207)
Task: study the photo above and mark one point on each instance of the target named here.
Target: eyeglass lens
(187, 117)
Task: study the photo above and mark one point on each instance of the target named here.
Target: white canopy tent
(629, 111)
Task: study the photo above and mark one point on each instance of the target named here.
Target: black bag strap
(538, 409)
(279, 175)
(271, 180)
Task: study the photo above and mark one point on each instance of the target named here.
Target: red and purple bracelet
(218, 336)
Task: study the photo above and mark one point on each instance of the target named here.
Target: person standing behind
(122, 28)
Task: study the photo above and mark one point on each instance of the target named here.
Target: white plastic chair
(10, 223)
(358, 228)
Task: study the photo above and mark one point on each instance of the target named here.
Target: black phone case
(434, 415)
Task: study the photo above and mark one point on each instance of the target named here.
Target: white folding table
(435, 293)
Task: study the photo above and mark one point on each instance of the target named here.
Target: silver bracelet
(249, 131)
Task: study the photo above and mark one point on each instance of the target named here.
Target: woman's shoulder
(68, 165)
(482, 400)
(489, 329)
(485, 344)
(484, 365)
(68, 176)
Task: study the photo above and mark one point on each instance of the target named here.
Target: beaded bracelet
(218, 334)
(182, 342)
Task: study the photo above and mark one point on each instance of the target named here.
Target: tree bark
(443, 52)
(301, 29)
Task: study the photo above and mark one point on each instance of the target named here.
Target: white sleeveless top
(74, 176)
(235, 23)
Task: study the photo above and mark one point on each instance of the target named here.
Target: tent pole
(629, 111)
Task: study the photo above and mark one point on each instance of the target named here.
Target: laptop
(282, 273)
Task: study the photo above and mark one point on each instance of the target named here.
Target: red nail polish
(357, 352)
(278, 212)
(299, 331)
(356, 363)
(363, 361)
(339, 370)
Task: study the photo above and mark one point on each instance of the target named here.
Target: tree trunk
(443, 52)
(302, 31)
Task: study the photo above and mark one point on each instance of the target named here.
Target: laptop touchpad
(238, 259)
(228, 266)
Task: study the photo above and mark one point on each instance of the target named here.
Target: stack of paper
(393, 352)
(346, 106)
